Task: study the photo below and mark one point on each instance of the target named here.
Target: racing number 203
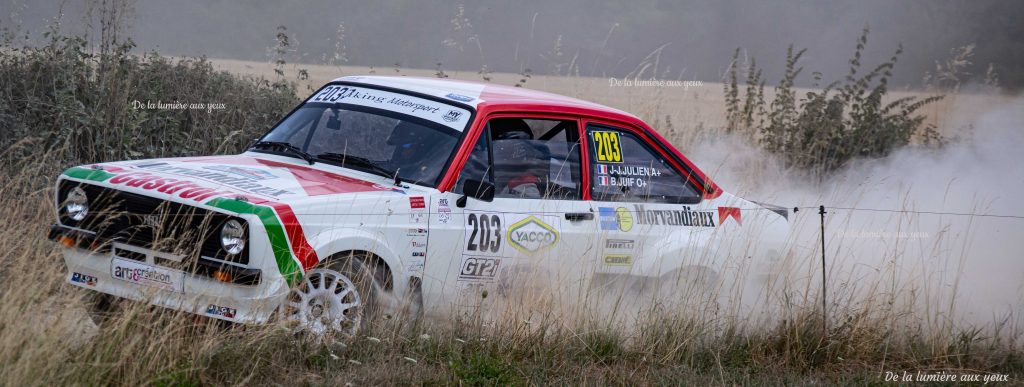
(486, 233)
(608, 148)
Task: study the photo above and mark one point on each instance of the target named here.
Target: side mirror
(479, 190)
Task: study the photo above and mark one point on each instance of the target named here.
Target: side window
(478, 166)
(527, 159)
(624, 168)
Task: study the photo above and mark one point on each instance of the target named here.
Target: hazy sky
(606, 38)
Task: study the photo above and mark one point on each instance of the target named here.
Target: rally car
(378, 188)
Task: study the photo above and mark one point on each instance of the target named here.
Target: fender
(724, 249)
(340, 239)
(684, 247)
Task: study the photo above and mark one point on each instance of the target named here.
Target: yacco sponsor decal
(281, 226)
(729, 212)
(618, 259)
(531, 235)
(619, 244)
(613, 219)
(684, 217)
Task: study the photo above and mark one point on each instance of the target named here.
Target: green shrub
(828, 127)
(70, 106)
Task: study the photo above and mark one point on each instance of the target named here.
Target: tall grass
(62, 105)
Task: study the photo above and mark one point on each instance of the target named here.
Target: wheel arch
(343, 243)
(682, 250)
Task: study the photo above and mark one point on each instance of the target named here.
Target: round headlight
(77, 204)
(232, 237)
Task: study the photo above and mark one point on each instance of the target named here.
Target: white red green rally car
(380, 188)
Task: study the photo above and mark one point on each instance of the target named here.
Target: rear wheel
(335, 299)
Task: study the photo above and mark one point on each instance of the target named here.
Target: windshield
(371, 130)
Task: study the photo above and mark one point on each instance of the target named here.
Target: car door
(535, 231)
(650, 214)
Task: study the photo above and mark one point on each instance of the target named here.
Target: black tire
(339, 297)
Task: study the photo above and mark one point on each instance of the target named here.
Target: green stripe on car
(88, 174)
(286, 264)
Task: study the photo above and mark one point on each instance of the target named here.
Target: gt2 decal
(607, 146)
(479, 269)
(484, 233)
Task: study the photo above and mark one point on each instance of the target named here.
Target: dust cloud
(952, 268)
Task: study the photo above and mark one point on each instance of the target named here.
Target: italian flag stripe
(89, 174)
(286, 264)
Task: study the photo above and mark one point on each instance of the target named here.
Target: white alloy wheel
(325, 303)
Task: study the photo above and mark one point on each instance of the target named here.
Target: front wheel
(334, 299)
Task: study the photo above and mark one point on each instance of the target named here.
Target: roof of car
(494, 96)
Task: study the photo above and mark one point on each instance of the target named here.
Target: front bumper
(90, 265)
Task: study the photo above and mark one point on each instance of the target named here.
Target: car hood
(199, 179)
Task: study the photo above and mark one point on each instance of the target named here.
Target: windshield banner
(447, 115)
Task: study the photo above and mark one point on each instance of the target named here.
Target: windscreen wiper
(357, 161)
(286, 146)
